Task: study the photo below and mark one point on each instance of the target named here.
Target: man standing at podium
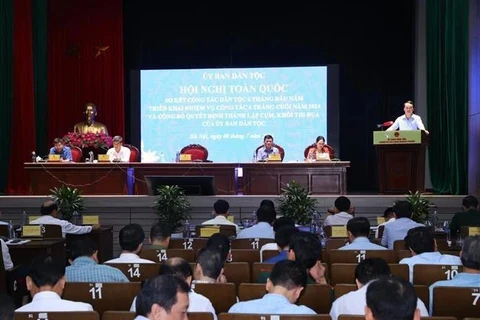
(408, 121)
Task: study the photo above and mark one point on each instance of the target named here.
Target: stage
(121, 210)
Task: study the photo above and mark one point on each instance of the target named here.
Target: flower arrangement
(89, 139)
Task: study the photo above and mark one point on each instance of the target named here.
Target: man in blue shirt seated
(84, 265)
(398, 229)
(358, 230)
(284, 286)
(282, 239)
(267, 150)
(64, 151)
(470, 277)
(421, 242)
(263, 229)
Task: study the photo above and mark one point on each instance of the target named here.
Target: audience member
(161, 298)
(282, 240)
(277, 224)
(470, 216)
(160, 236)
(389, 217)
(49, 211)
(46, 281)
(182, 269)
(84, 265)
(220, 210)
(209, 267)
(220, 242)
(343, 213)
(470, 277)
(118, 153)
(398, 229)
(390, 298)
(131, 241)
(354, 302)
(422, 245)
(284, 286)
(358, 230)
(61, 149)
(266, 215)
(7, 260)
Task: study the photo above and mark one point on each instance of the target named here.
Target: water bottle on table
(76, 218)
(186, 229)
(11, 231)
(24, 218)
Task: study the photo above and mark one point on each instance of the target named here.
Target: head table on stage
(261, 178)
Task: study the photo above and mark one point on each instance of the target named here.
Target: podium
(401, 160)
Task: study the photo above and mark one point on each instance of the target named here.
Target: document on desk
(14, 242)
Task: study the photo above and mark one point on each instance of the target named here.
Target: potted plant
(295, 203)
(69, 200)
(421, 206)
(172, 207)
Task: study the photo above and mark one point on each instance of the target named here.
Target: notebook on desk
(54, 158)
(323, 156)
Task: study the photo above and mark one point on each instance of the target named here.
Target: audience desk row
(325, 177)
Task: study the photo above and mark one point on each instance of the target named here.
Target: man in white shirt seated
(7, 260)
(46, 281)
(392, 298)
(389, 217)
(423, 247)
(220, 210)
(358, 230)
(354, 302)
(343, 213)
(49, 212)
(161, 298)
(398, 229)
(284, 286)
(470, 276)
(118, 153)
(263, 229)
(182, 269)
(131, 241)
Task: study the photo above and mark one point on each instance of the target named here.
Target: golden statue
(90, 125)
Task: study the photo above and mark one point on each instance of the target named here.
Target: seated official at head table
(408, 121)
(267, 150)
(320, 149)
(118, 153)
(64, 151)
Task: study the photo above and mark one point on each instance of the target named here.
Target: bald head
(178, 267)
(49, 207)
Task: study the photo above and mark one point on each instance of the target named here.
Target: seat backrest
(357, 256)
(4, 230)
(245, 255)
(400, 271)
(77, 154)
(246, 316)
(343, 288)
(229, 231)
(258, 267)
(401, 254)
(456, 302)
(161, 255)
(237, 272)
(344, 273)
(51, 231)
(400, 245)
(138, 271)
(335, 243)
(134, 153)
(103, 296)
(267, 254)
(380, 231)
(251, 291)
(197, 151)
(73, 315)
(118, 315)
(280, 150)
(317, 297)
(188, 243)
(200, 316)
(222, 295)
(255, 244)
(423, 294)
(427, 274)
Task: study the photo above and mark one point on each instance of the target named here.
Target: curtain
(22, 133)
(447, 94)
(85, 64)
(6, 87)
(39, 27)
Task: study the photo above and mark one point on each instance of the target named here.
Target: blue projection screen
(229, 111)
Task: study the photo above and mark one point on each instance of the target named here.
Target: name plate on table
(208, 231)
(32, 231)
(230, 218)
(275, 157)
(90, 220)
(32, 218)
(103, 158)
(473, 231)
(339, 232)
(380, 220)
(397, 137)
(185, 157)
